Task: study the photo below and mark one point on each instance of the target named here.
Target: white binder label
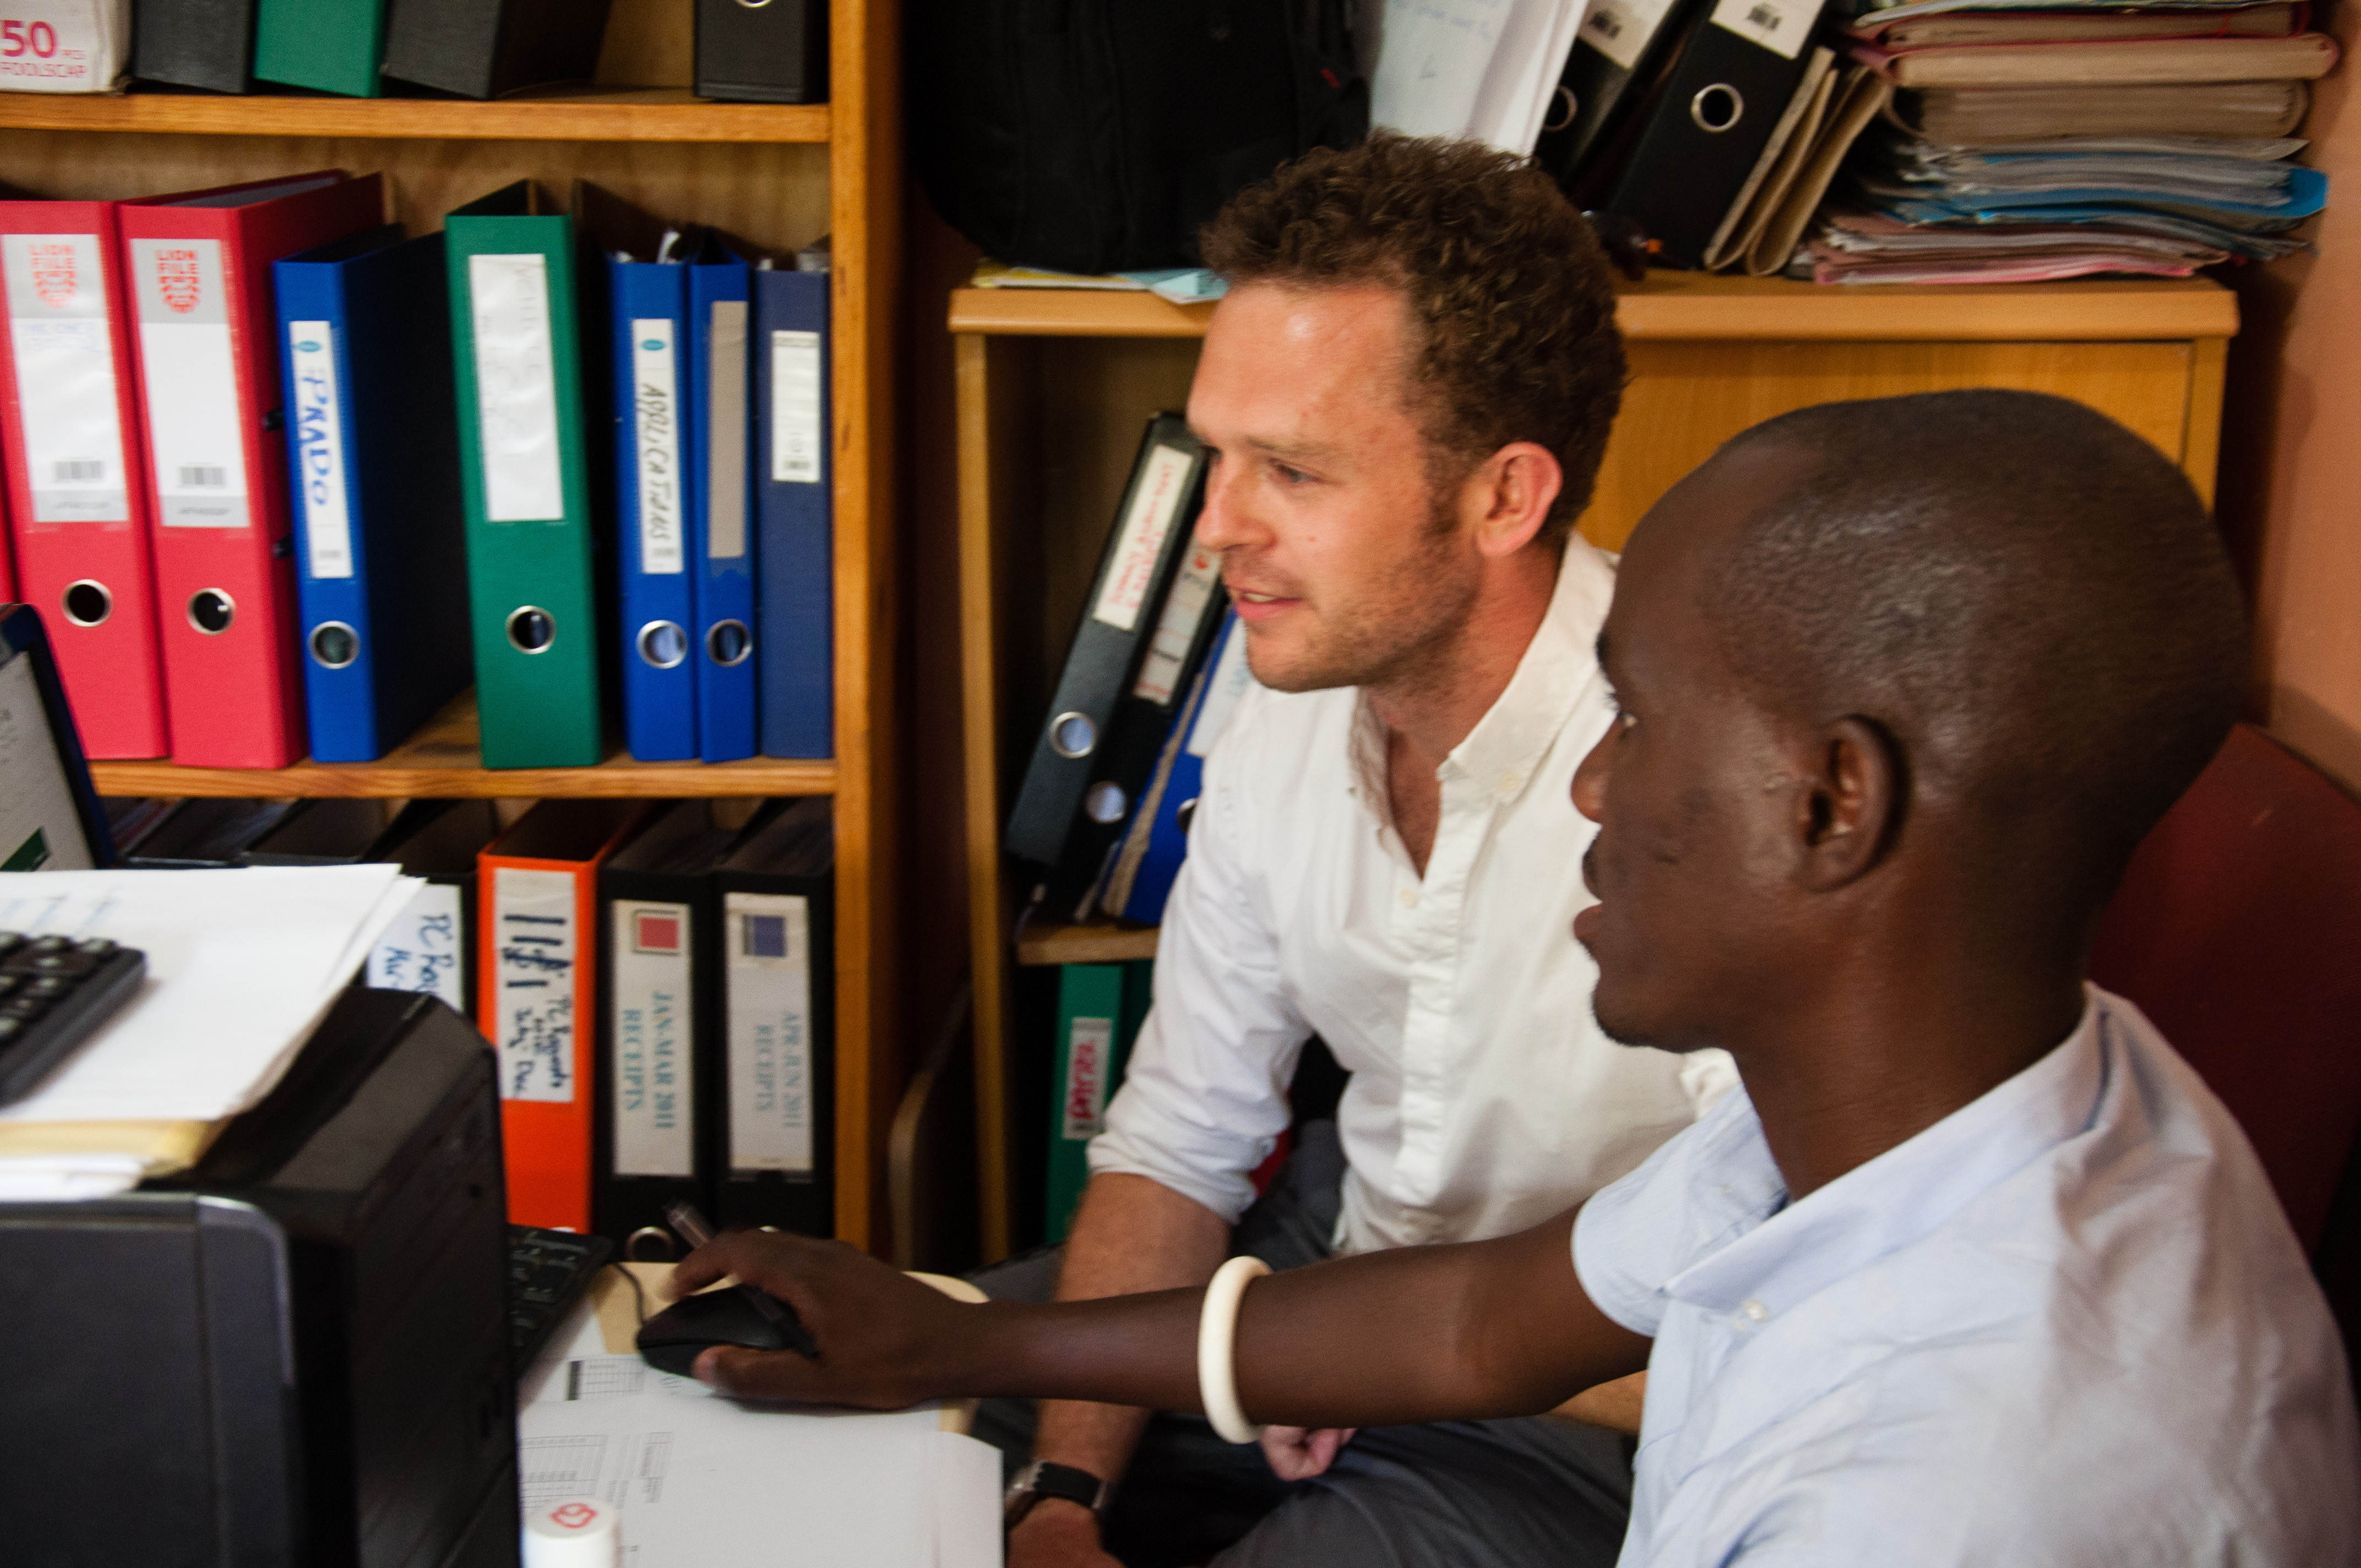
(516, 388)
(795, 436)
(654, 1076)
(1156, 502)
(656, 430)
(190, 370)
(419, 951)
(1176, 629)
(1090, 1046)
(63, 46)
(65, 378)
(316, 426)
(767, 935)
(725, 432)
(532, 1029)
(1779, 26)
(1620, 29)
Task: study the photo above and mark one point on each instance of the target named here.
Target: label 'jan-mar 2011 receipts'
(769, 980)
(65, 345)
(650, 1028)
(315, 426)
(516, 388)
(188, 372)
(535, 942)
(655, 420)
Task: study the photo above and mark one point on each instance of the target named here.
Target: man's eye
(1290, 475)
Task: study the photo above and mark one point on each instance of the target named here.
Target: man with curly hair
(1405, 396)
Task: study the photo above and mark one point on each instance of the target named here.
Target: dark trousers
(1482, 1493)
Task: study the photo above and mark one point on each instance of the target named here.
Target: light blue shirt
(2067, 1324)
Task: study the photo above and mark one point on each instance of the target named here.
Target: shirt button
(1755, 1312)
(1408, 897)
(1510, 782)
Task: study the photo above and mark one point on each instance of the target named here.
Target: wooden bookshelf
(1054, 385)
(780, 176)
(579, 113)
(1085, 944)
(443, 760)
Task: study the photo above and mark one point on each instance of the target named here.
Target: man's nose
(1223, 523)
(1591, 779)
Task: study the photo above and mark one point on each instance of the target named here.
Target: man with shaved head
(1974, 1270)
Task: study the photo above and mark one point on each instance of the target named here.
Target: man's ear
(1851, 806)
(1510, 495)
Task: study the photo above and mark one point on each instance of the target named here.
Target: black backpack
(1093, 135)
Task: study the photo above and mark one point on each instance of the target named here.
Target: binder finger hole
(531, 628)
(1718, 108)
(335, 646)
(662, 644)
(1073, 735)
(1563, 105)
(1106, 803)
(87, 603)
(211, 611)
(728, 642)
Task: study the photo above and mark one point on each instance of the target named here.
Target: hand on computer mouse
(879, 1331)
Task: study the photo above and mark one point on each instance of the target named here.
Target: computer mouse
(670, 1340)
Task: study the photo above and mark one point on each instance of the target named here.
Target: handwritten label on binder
(315, 427)
(796, 439)
(1779, 26)
(767, 935)
(654, 1076)
(1163, 485)
(65, 347)
(656, 430)
(1089, 1048)
(516, 388)
(1176, 627)
(533, 1027)
(189, 370)
(419, 951)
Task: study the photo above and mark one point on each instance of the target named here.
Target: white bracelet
(1217, 1332)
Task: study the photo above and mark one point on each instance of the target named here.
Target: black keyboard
(548, 1272)
(54, 992)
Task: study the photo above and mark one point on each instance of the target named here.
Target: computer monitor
(49, 816)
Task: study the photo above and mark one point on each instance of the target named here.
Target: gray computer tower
(297, 1354)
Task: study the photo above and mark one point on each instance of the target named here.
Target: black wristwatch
(1042, 1479)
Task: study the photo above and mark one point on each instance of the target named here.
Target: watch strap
(1045, 1478)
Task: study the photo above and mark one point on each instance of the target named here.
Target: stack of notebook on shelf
(282, 479)
(2035, 141)
(658, 979)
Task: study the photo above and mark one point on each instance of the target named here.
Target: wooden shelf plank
(567, 113)
(1086, 944)
(443, 760)
(1672, 306)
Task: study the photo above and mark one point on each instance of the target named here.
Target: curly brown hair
(1506, 284)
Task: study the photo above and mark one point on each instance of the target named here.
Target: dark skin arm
(1496, 1328)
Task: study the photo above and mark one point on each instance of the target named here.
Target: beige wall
(2290, 496)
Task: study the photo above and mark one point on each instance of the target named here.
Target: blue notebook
(723, 532)
(655, 491)
(373, 460)
(795, 478)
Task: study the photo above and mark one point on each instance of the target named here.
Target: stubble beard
(1398, 638)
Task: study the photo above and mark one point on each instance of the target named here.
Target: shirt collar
(1898, 1197)
(1505, 749)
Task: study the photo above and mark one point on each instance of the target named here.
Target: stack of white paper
(1485, 70)
(702, 1480)
(241, 965)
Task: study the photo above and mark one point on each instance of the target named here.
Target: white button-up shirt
(1483, 1098)
(2067, 1324)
